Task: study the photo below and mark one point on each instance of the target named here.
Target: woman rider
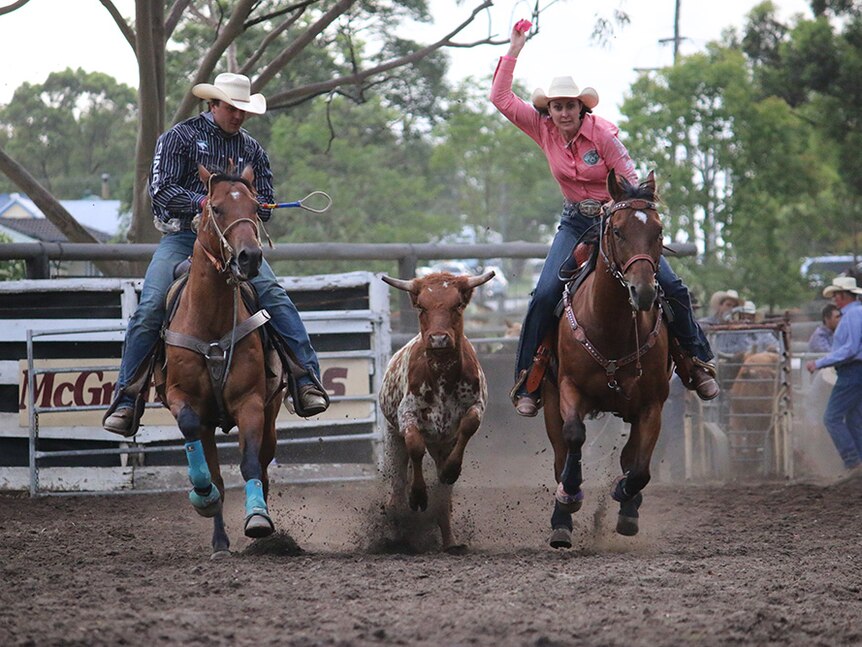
(581, 149)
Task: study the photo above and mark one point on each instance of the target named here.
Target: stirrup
(709, 367)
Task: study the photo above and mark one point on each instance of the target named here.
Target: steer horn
(476, 281)
(401, 284)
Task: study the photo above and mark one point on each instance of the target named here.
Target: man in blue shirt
(843, 416)
(821, 339)
(214, 139)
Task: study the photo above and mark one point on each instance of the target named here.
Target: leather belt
(590, 207)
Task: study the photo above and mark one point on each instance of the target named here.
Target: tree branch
(272, 36)
(12, 7)
(281, 99)
(174, 15)
(232, 29)
(125, 28)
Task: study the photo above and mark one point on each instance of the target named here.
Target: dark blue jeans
(146, 322)
(843, 415)
(549, 290)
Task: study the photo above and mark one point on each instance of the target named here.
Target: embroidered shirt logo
(203, 147)
(591, 157)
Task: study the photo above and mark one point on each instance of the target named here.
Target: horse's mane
(227, 176)
(643, 191)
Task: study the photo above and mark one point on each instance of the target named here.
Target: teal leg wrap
(199, 473)
(205, 502)
(254, 502)
(204, 496)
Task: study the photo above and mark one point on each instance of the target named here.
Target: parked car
(820, 270)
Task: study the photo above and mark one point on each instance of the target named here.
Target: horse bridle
(226, 251)
(611, 366)
(609, 255)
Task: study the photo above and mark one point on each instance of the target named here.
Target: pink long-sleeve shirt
(581, 168)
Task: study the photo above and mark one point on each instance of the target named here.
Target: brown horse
(612, 354)
(214, 375)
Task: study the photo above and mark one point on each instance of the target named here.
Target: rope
(301, 203)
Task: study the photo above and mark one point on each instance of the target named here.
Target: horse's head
(228, 229)
(632, 238)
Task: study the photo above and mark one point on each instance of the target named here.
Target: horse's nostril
(249, 261)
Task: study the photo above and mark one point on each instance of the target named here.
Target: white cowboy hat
(234, 89)
(721, 295)
(564, 87)
(842, 284)
(748, 308)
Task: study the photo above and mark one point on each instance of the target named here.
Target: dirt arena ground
(760, 564)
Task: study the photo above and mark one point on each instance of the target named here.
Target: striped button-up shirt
(175, 187)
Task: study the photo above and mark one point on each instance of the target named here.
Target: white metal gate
(64, 386)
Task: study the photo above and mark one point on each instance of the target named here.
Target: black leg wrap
(560, 518)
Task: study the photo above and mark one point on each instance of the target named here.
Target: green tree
(376, 175)
(489, 171)
(11, 270)
(741, 172)
(86, 124)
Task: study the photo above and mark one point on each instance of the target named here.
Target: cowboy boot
(526, 405)
(703, 382)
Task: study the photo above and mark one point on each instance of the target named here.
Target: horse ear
(614, 186)
(203, 174)
(650, 182)
(248, 174)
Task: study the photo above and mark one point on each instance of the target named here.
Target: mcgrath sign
(72, 384)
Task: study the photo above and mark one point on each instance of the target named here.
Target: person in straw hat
(581, 149)
(843, 416)
(216, 140)
(721, 305)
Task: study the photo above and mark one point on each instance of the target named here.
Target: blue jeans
(549, 290)
(146, 322)
(843, 415)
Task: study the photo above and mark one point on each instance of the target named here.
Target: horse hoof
(220, 554)
(627, 526)
(418, 500)
(450, 473)
(258, 525)
(561, 538)
(456, 549)
(568, 502)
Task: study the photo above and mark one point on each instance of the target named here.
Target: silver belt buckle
(590, 207)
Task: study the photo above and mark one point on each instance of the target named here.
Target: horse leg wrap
(254, 501)
(199, 472)
(257, 520)
(619, 493)
(572, 476)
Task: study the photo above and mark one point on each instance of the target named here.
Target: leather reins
(611, 366)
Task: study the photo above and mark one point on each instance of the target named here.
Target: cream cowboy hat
(721, 295)
(842, 284)
(564, 87)
(234, 89)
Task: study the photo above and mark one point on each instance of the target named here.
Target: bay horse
(214, 374)
(612, 356)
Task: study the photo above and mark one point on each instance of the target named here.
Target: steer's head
(440, 299)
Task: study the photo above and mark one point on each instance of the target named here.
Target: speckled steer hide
(434, 393)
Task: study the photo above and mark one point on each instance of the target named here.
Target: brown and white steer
(434, 393)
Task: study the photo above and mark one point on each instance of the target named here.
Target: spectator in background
(821, 339)
(720, 306)
(843, 417)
